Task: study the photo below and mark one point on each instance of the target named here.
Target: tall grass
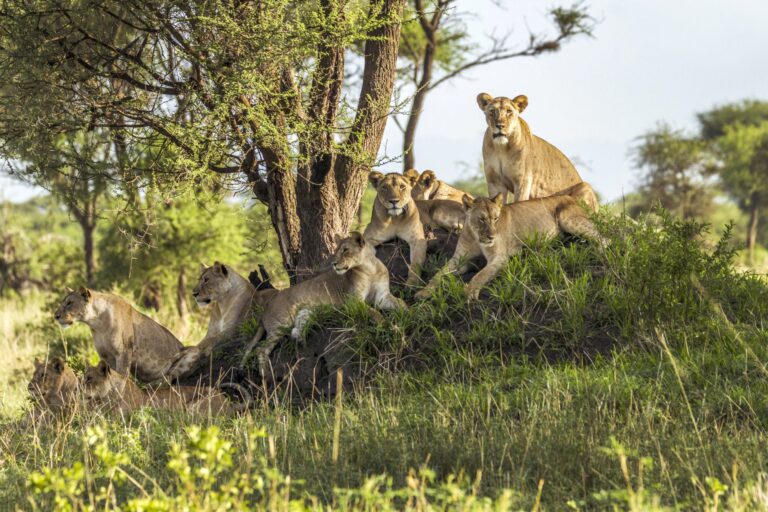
(630, 378)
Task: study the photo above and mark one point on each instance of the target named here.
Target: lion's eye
(402, 187)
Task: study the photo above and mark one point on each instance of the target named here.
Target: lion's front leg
(418, 250)
(491, 270)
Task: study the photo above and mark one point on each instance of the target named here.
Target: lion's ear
(375, 178)
(224, 270)
(498, 199)
(103, 368)
(467, 201)
(85, 293)
(483, 99)
(337, 239)
(58, 364)
(37, 362)
(68, 290)
(412, 175)
(357, 238)
(520, 102)
(203, 268)
(428, 177)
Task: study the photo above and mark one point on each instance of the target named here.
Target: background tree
(73, 166)
(437, 47)
(163, 242)
(743, 170)
(674, 171)
(228, 90)
(735, 133)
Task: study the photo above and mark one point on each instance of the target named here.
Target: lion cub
(498, 231)
(514, 159)
(356, 272)
(127, 339)
(53, 387)
(428, 187)
(103, 385)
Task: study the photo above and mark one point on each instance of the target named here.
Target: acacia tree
(743, 170)
(75, 167)
(738, 135)
(244, 90)
(437, 47)
(675, 172)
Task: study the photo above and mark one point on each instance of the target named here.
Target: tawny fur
(517, 161)
(427, 187)
(356, 272)
(231, 298)
(53, 387)
(128, 340)
(499, 231)
(395, 215)
(107, 387)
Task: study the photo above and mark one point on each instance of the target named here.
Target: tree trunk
(323, 202)
(90, 264)
(181, 302)
(409, 138)
(752, 226)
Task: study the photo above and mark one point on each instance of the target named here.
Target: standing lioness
(517, 161)
(128, 340)
(498, 231)
(356, 273)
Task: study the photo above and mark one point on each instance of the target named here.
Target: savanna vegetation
(629, 377)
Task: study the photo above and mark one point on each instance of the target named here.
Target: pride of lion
(548, 197)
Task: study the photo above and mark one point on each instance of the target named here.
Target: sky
(650, 61)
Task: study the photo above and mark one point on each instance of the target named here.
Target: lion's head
(393, 190)
(50, 379)
(483, 217)
(426, 185)
(351, 252)
(96, 384)
(213, 285)
(76, 306)
(502, 114)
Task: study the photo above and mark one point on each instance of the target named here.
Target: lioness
(441, 213)
(517, 161)
(232, 298)
(395, 216)
(581, 191)
(53, 386)
(497, 231)
(356, 272)
(427, 186)
(108, 387)
(128, 340)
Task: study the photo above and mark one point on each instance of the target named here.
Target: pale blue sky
(650, 60)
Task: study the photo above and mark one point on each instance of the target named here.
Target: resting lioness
(104, 386)
(441, 213)
(395, 215)
(517, 161)
(356, 272)
(427, 186)
(581, 192)
(53, 386)
(232, 298)
(498, 231)
(128, 340)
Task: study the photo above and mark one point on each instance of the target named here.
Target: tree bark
(754, 208)
(409, 138)
(90, 261)
(181, 302)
